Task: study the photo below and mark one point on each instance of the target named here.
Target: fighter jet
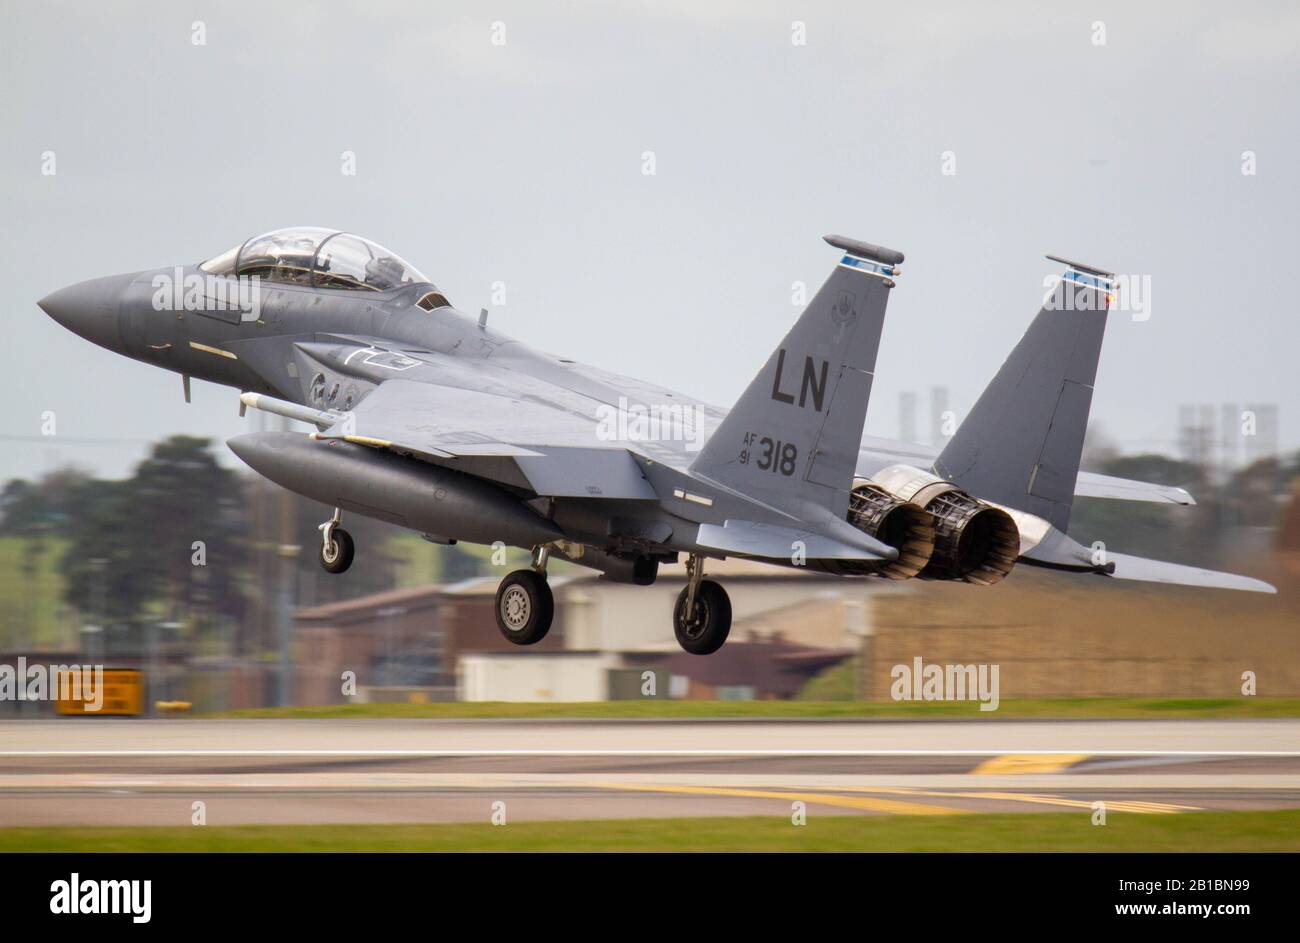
(428, 418)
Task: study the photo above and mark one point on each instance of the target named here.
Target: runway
(103, 772)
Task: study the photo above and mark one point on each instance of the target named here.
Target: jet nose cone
(90, 309)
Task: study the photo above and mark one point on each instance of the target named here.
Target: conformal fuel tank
(403, 491)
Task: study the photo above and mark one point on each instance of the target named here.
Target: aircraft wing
(524, 440)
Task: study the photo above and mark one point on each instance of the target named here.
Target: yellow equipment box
(122, 695)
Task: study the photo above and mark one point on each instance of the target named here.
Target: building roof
(772, 666)
(417, 597)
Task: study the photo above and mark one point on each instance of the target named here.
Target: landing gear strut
(524, 604)
(702, 616)
(337, 548)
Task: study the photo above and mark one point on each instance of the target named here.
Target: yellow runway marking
(862, 803)
(1018, 763)
(1115, 805)
(1140, 806)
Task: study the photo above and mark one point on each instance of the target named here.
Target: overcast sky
(522, 163)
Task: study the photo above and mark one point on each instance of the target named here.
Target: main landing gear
(524, 604)
(702, 616)
(337, 548)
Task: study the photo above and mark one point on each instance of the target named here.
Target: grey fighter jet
(430, 419)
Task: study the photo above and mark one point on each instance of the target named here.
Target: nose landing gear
(524, 603)
(337, 548)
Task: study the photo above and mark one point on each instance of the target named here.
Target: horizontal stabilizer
(1058, 551)
(1157, 571)
(1092, 485)
(877, 453)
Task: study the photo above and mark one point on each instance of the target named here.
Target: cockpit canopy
(321, 258)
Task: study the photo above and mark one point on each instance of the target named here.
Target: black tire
(337, 557)
(712, 622)
(524, 607)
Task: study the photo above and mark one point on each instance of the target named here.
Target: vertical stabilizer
(1021, 443)
(792, 438)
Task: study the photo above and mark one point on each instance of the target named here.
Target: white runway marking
(32, 739)
(646, 752)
